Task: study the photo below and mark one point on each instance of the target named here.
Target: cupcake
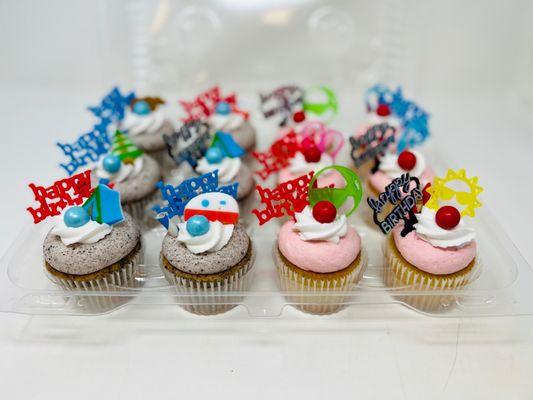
(94, 247)
(209, 254)
(133, 173)
(146, 122)
(439, 253)
(227, 118)
(318, 252)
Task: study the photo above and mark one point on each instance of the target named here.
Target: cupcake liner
(207, 294)
(138, 208)
(115, 281)
(401, 275)
(322, 286)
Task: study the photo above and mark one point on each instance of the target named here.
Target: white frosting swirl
(428, 230)
(389, 165)
(125, 171)
(228, 168)
(136, 124)
(299, 166)
(226, 123)
(91, 232)
(311, 229)
(215, 239)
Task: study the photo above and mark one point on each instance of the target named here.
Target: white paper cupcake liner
(432, 289)
(210, 298)
(317, 293)
(138, 208)
(120, 280)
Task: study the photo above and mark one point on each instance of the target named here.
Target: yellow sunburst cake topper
(440, 192)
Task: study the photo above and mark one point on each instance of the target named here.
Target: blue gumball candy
(197, 225)
(111, 163)
(214, 155)
(223, 108)
(75, 217)
(141, 107)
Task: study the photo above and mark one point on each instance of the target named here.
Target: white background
(470, 64)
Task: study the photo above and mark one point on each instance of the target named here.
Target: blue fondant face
(223, 108)
(197, 225)
(205, 203)
(214, 155)
(75, 217)
(222, 202)
(111, 163)
(141, 107)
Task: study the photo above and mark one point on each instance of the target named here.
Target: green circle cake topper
(337, 196)
(327, 108)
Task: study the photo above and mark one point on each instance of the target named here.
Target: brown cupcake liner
(318, 288)
(401, 275)
(207, 294)
(120, 276)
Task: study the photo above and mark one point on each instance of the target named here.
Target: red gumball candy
(312, 154)
(324, 212)
(448, 217)
(383, 110)
(299, 116)
(407, 160)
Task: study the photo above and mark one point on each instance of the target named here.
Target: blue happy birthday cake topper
(177, 197)
(113, 105)
(413, 118)
(86, 149)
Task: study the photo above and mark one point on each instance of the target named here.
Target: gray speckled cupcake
(108, 265)
(230, 170)
(137, 190)
(204, 278)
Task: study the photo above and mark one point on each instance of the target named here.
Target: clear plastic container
(177, 49)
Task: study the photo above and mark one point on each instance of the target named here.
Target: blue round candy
(214, 155)
(141, 107)
(75, 217)
(197, 225)
(111, 163)
(223, 108)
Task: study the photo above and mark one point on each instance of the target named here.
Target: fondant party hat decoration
(124, 148)
(227, 145)
(176, 198)
(443, 193)
(63, 193)
(113, 105)
(104, 205)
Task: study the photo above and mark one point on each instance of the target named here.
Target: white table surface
(138, 352)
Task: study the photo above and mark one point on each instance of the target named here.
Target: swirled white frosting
(389, 165)
(215, 239)
(136, 124)
(228, 168)
(125, 171)
(226, 123)
(310, 229)
(375, 119)
(91, 232)
(428, 230)
(299, 166)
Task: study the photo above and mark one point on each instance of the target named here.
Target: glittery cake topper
(204, 105)
(124, 148)
(403, 193)
(284, 101)
(465, 201)
(372, 144)
(61, 194)
(414, 119)
(278, 156)
(287, 198)
(86, 149)
(113, 105)
(189, 143)
(177, 197)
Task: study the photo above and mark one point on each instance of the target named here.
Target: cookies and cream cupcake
(235, 122)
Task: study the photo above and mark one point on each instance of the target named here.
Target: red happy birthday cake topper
(63, 193)
(287, 198)
(278, 156)
(204, 105)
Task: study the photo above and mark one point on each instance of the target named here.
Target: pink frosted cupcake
(431, 259)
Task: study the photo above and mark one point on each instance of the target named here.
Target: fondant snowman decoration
(214, 206)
